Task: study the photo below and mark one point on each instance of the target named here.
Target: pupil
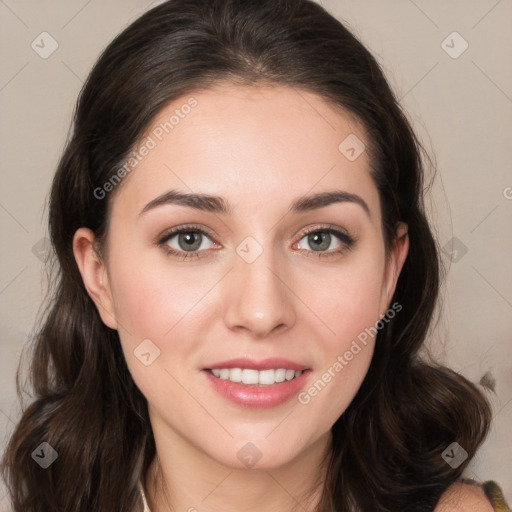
(323, 238)
(191, 240)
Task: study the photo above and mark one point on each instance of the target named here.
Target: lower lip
(258, 397)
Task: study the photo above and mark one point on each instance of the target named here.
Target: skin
(463, 497)
(260, 148)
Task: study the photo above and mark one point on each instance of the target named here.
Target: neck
(191, 481)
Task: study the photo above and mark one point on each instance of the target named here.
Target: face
(261, 283)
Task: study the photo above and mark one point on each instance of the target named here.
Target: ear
(395, 262)
(94, 275)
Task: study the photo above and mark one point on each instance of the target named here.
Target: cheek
(348, 303)
(345, 356)
(150, 300)
(329, 395)
(347, 300)
(165, 306)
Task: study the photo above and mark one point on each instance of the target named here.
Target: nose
(258, 299)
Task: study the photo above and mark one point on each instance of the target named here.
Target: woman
(246, 276)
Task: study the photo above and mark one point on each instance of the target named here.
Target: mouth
(255, 378)
(257, 384)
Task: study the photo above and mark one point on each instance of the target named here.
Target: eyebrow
(217, 204)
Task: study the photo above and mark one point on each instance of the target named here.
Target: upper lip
(262, 364)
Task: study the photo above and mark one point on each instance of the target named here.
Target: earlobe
(94, 275)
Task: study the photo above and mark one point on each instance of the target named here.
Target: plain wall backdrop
(449, 63)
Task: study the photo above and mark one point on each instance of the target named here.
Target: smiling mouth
(255, 378)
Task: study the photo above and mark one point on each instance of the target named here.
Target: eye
(188, 242)
(185, 242)
(326, 241)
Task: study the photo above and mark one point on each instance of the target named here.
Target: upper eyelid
(327, 227)
(182, 229)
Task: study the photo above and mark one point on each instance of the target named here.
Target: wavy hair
(387, 445)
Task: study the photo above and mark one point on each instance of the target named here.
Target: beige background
(461, 108)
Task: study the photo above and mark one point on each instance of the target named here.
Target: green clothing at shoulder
(491, 489)
(494, 493)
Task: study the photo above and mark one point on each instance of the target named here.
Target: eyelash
(347, 241)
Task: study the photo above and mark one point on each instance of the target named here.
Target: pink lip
(257, 397)
(264, 364)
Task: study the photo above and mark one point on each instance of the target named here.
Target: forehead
(253, 144)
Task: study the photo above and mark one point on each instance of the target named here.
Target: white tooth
(266, 377)
(235, 375)
(280, 375)
(250, 376)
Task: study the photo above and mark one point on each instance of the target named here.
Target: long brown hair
(388, 444)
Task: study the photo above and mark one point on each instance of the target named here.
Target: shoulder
(464, 497)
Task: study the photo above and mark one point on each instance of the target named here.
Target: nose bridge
(257, 297)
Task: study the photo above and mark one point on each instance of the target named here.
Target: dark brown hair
(387, 445)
